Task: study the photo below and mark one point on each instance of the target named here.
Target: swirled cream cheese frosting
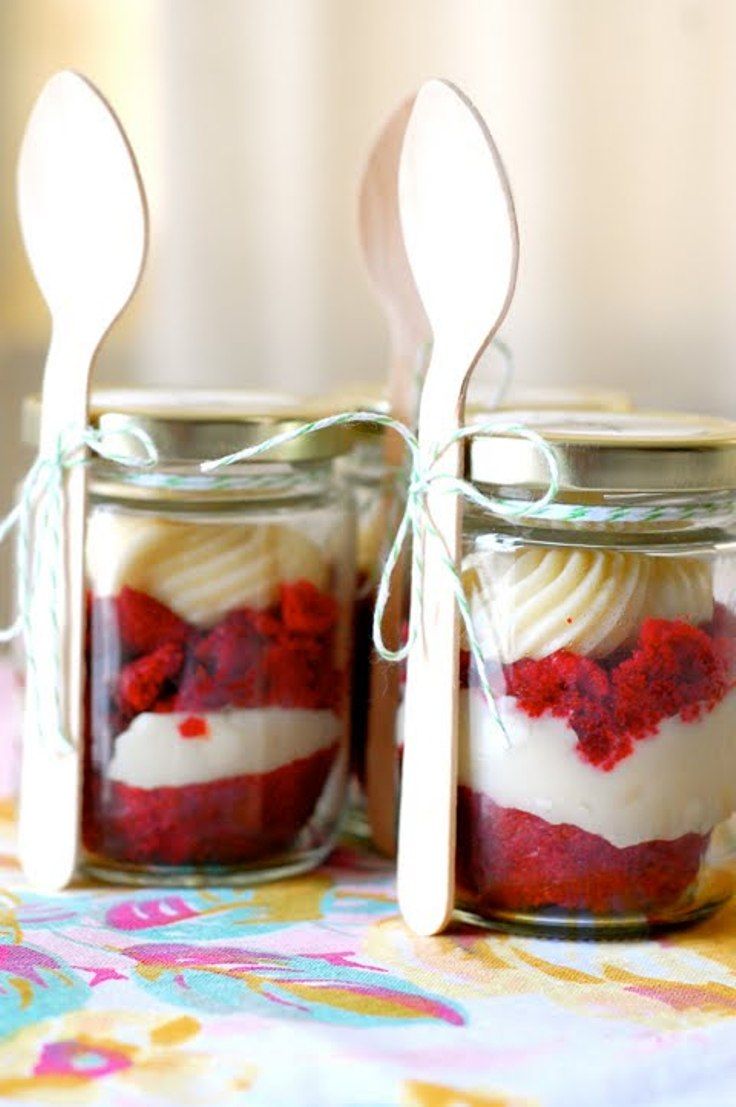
(680, 588)
(200, 570)
(531, 602)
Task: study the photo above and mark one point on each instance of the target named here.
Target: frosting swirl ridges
(534, 601)
(200, 570)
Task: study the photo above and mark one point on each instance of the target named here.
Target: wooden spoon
(409, 335)
(84, 224)
(462, 241)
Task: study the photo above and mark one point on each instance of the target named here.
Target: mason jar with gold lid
(596, 801)
(218, 645)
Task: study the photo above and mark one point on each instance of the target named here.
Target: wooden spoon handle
(51, 774)
(426, 868)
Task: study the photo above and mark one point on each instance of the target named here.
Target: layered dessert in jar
(614, 678)
(216, 690)
(219, 636)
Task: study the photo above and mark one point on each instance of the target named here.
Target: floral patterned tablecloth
(311, 992)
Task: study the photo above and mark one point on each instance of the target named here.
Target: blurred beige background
(251, 118)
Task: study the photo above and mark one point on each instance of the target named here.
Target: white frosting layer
(533, 601)
(152, 753)
(200, 570)
(679, 781)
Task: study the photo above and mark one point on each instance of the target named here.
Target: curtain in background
(616, 118)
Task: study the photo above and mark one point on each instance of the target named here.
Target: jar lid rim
(639, 451)
(194, 425)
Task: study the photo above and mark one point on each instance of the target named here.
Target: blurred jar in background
(377, 491)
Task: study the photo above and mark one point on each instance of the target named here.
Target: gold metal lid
(640, 451)
(198, 425)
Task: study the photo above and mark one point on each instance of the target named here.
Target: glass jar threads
(607, 628)
(218, 650)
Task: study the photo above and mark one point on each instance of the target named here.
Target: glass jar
(218, 651)
(598, 804)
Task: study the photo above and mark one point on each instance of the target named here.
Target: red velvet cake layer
(222, 822)
(515, 861)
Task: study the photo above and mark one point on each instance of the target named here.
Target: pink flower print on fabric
(87, 1060)
(26, 963)
(147, 914)
(35, 986)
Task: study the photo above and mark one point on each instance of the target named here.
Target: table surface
(312, 992)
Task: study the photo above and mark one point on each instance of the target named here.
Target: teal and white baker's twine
(415, 519)
(38, 518)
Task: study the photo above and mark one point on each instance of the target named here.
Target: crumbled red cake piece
(198, 690)
(267, 623)
(144, 623)
(512, 860)
(306, 610)
(232, 647)
(142, 682)
(194, 726)
(298, 675)
(675, 669)
(280, 657)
